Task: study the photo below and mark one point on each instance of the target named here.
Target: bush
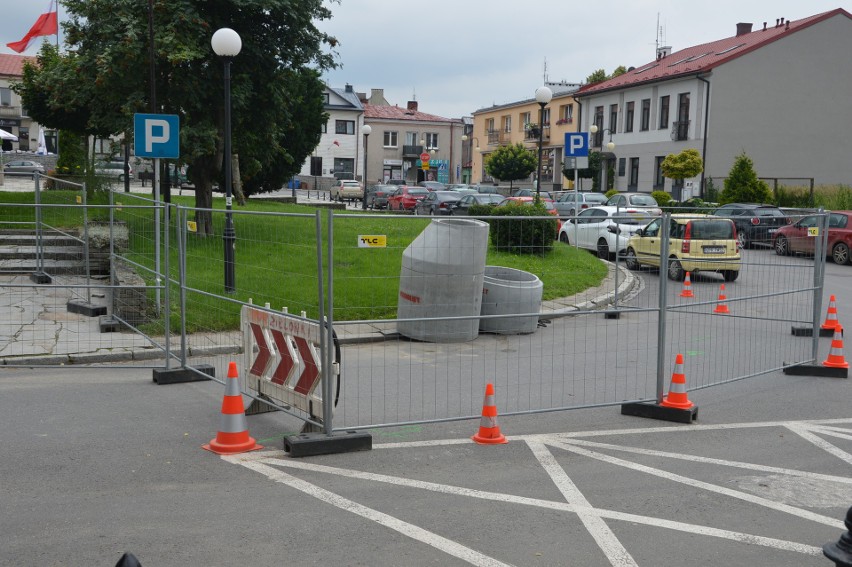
(794, 197)
(610, 193)
(523, 235)
(661, 197)
(742, 184)
(476, 210)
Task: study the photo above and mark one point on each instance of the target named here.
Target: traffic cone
(677, 397)
(831, 321)
(721, 306)
(687, 287)
(233, 436)
(489, 432)
(835, 355)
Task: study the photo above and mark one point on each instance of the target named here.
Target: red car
(548, 204)
(406, 197)
(794, 238)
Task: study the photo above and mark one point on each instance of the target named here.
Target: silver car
(570, 203)
(23, 167)
(603, 230)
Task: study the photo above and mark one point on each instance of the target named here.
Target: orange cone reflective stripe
(831, 321)
(835, 355)
(721, 306)
(489, 432)
(687, 287)
(677, 397)
(233, 435)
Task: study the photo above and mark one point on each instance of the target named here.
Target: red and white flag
(46, 24)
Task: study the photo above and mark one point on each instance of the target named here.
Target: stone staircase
(62, 254)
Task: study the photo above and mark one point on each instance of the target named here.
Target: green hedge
(523, 235)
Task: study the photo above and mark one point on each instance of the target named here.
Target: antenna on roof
(413, 93)
(545, 71)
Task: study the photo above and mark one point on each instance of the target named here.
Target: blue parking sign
(156, 135)
(576, 144)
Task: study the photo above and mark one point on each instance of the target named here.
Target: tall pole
(366, 130)
(229, 235)
(540, 140)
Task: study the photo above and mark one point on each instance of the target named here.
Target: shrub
(661, 197)
(742, 184)
(797, 197)
(610, 193)
(523, 235)
(476, 210)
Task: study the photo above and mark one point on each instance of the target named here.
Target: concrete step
(53, 267)
(48, 252)
(31, 239)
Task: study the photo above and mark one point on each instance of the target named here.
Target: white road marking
(798, 512)
(838, 432)
(429, 538)
(804, 432)
(602, 534)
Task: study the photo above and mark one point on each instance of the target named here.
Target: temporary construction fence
(387, 316)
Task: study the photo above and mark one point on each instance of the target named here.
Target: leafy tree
(742, 184)
(276, 89)
(684, 165)
(597, 76)
(510, 163)
(620, 70)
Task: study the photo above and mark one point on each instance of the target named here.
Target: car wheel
(563, 237)
(782, 246)
(742, 240)
(121, 179)
(840, 254)
(630, 259)
(603, 249)
(730, 275)
(676, 272)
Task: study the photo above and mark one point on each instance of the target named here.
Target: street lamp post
(542, 96)
(366, 130)
(465, 138)
(226, 44)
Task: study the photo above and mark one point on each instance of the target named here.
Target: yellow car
(697, 243)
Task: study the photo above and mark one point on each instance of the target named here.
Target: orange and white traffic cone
(721, 306)
(233, 436)
(687, 287)
(831, 322)
(835, 355)
(489, 432)
(677, 397)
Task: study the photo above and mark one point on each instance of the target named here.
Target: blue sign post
(156, 135)
(576, 144)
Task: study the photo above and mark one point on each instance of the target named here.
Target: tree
(509, 163)
(620, 70)
(742, 184)
(597, 76)
(592, 172)
(276, 89)
(684, 165)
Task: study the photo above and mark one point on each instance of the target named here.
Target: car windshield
(596, 198)
(632, 217)
(418, 191)
(643, 200)
(712, 229)
(769, 212)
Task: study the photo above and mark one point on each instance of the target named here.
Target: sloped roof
(397, 113)
(351, 97)
(705, 57)
(13, 65)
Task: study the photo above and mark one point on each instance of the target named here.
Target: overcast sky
(457, 56)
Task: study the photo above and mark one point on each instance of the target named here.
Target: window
(5, 96)
(526, 117)
(613, 118)
(431, 141)
(344, 168)
(682, 132)
(324, 127)
(633, 182)
(344, 127)
(628, 118)
(664, 112)
(507, 124)
(316, 165)
(599, 123)
(659, 180)
(566, 114)
(325, 98)
(412, 139)
(489, 125)
(645, 121)
(390, 140)
(622, 165)
(545, 117)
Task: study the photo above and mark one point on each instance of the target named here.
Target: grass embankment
(276, 258)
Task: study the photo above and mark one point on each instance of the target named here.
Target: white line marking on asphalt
(598, 529)
(792, 510)
(833, 432)
(711, 461)
(429, 538)
(548, 504)
(804, 432)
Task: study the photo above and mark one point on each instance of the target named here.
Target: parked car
(437, 203)
(23, 167)
(462, 206)
(530, 193)
(405, 197)
(489, 189)
(795, 238)
(112, 169)
(569, 202)
(377, 196)
(636, 201)
(603, 230)
(697, 243)
(433, 185)
(457, 186)
(548, 204)
(347, 190)
(756, 224)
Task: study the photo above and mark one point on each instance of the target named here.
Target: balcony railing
(494, 137)
(532, 134)
(10, 111)
(412, 151)
(680, 130)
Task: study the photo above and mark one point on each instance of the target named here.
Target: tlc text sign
(156, 135)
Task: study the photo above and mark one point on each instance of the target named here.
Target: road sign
(576, 163)
(156, 135)
(424, 157)
(576, 144)
(424, 165)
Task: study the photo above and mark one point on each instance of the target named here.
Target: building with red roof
(13, 116)
(775, 93)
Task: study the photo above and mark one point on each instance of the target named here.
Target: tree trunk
(236, 182)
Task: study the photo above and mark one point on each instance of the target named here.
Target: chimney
(782, 21)
(377, 93)
(788, 25)
(777, 22)
(764, 26)
(412, 105)
(743, 28)
(663, 52)
(349, 88)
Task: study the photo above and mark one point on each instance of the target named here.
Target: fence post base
(809, 332)
(180, 375)
(85, 308)
(41, 278)
(816, 370)
(310, 444)
(656, 411)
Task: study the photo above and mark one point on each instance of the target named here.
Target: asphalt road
(100, 460)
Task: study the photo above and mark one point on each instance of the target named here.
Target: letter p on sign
(156, 135)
